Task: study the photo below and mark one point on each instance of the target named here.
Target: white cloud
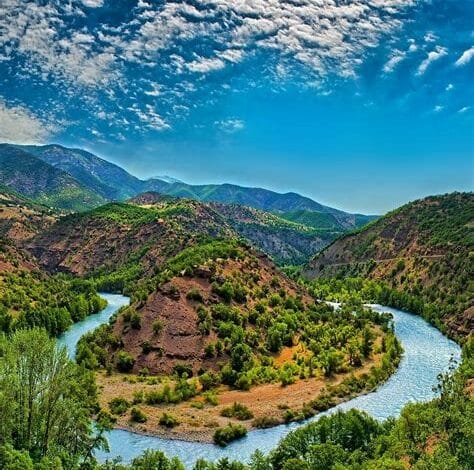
(93, 3)
(464, 109)
(230, 125)
(19, 125)
(438, 108)
(465, 57)
(433, 56)
(186, 37)
(449, 87)
(396, 58)
(232, 55)
(430, 37)
(150, 118)
(205, 65)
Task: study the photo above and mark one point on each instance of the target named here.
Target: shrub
(265, 422)
(194, 294)
(168, 420)
(229, 433)
(138, 397)
(237, 410)
(119, 405)
(210, 350)
(209, 379)
(135, 321)
(211, 398)
(125, 362)
(137, 415)
(183, 370)
(157, 326)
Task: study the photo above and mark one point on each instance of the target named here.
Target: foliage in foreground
(46, 403)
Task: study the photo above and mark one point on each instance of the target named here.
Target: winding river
(427, 354)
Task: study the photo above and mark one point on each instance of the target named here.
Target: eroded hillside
(423, 249)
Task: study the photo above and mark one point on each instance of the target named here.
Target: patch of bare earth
(268, 400)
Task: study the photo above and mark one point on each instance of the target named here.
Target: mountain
(258, 198)
(289, 227)
(326, 220)
(423, 249)
(285, 241)
(21, 218)
(106, 179)
(32, 177)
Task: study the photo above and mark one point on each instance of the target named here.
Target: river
(427, 353)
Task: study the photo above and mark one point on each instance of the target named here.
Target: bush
(157, 326)
(209, 379)
(137, 415)
(183, 370)
(125, 362)
(229, 433)
(119, 405)
(265, 422)
(135, 321)
(168, 420)
(194, 294)
(237, 410)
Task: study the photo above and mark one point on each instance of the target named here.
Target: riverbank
(269, 404)
(427, 353)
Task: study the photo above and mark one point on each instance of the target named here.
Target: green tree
(45, 400)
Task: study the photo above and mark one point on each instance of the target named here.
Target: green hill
(423, 251)
(42, 182)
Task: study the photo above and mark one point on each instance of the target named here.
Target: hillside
(259, 198)
(106, 179)
(109, 182)
(325, 220)
(216, 332)
(286, 242)
(125, 238)
(28, 295)
(423, 249)
(35, 179)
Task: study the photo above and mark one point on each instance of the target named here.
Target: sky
(362, 105)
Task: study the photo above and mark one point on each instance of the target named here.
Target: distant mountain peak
(166, 179)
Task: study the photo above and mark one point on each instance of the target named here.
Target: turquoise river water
(427, 353)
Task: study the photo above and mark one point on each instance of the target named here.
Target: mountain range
(289, 227)
(53, 168)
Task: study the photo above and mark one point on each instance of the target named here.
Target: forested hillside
(31, 177)
(422, 251)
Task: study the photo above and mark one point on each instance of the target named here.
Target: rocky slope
(422, 249)
(125, 236)
(285, 241)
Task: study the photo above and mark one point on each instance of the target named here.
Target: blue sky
(362, 105)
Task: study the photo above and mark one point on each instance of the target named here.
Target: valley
(214, 341)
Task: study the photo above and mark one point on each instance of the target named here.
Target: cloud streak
(19, 125)
(465, 58)
(432, 56)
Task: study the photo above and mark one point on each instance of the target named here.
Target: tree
(155, 460)
(45, 399)
(240, 356)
